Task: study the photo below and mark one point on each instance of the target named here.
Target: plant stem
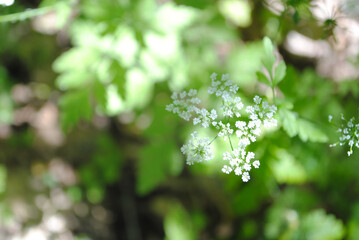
(212, 140)
(273, 93)
(230, 142)
(26, 14)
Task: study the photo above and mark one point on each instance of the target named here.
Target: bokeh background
(87, 150)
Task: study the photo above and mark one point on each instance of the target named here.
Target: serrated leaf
(319, 225)
(75, 59)
(280, 71)
(73, 79)
(100, 94)
(263, 78)
(310, 131)
(75, 106)
(118, 74)
(289, 122)
(268, 63)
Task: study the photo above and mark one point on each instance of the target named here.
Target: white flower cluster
(227, 122)
(197, 149)
(350, 134)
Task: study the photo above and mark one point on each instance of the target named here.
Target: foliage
(90, 152)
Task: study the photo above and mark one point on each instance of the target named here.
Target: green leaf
(268, 46)
(319, 225)
(73, 79)
(107, 159)
(310, 131)
(3, 178)
(63, 12)
(75, 106)
(269, 57)
(178, 224)
(245, 61)
(100, 94)
(200, 4)
(268, 63)
(119, 78)
(280, 71)
(157, 161)
(263, 78)
(289, 122)
(287, 169)
(75, 59)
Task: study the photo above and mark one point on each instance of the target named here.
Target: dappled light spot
(126, 117)
(21, 93)
(46, 23)
(43, 202)
(7, 2)
(55, 223)
(81, 209)
(99, 213)
(143, 121)
(238, 12)
(100, 121)
(5, 131)
(34, 233)
(301, 45)
(41, 91)
(46, 122)
(62, 172)
(24, 115)
(59, 199)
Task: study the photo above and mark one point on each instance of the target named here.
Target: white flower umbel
(240, 162)
(349, 133)
(197, 149)
(239, 133)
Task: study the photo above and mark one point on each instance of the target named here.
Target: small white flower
(196, 121)
(238, 171)
(183, 94)
(245, 177)
(247, 167)
(213, 115)
(226, 169)
(192, 92)
(257, 99)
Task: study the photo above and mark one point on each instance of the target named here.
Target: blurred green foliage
(108, 69)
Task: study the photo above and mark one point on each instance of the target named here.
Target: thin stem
(212, 140)
(230, 142)
(26, 14)
(273, 94)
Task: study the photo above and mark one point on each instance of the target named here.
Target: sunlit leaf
(289, 121)
(178, 225)
(310, 131)
(263, 78)
(318, 225)
(279, 73)
(287, 169)
(73, 79)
